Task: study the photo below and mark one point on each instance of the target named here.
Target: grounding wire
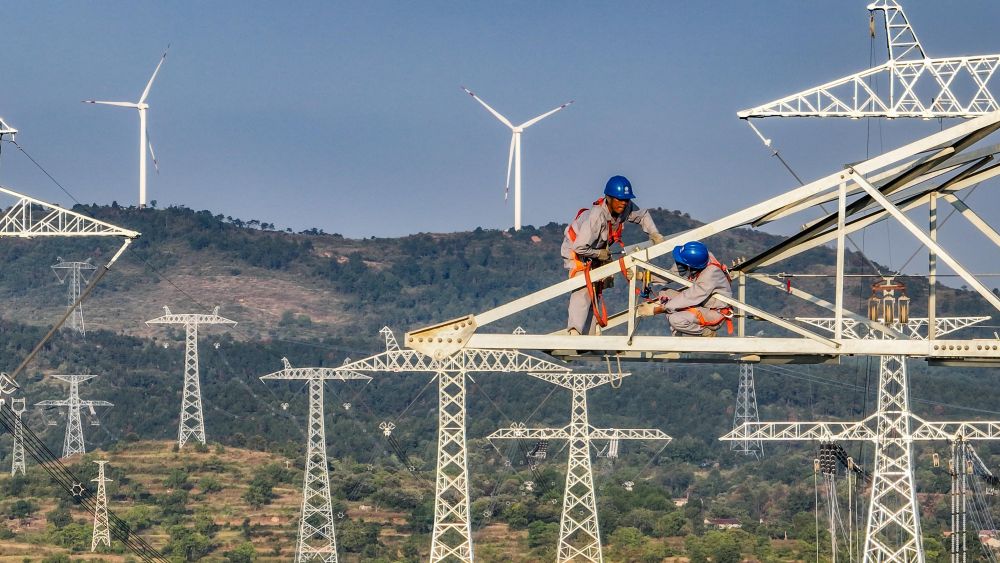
(44, 171)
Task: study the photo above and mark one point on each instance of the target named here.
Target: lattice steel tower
(74, 275)
(73, 442)
(317, 539)
(192, 421)
(18, 407)
(746, 411)
(451, 539)
(102, 531)
(579, 532)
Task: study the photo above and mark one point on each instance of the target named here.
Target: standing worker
(695, 311)
(587, 244)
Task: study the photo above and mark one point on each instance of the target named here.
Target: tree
(243, 553)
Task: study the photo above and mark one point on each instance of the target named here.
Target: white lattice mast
(579, 530)
(18, 407)
(893, 525)
(73, 442)
(317, 538)
(915, 85)
(746, 411)
(102, 531)
(192, 421)
(451, 538)
(74, 275)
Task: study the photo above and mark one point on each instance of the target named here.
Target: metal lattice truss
(452, 535)
(192, 421)
(914, 328)
(102, 531)
(73, 442)
(908, 84)
(6, 129)
(17, 464)
(317, 538)
(579, 532)
(29, 217)
(746, 411)
(74, 275)
(923, 173)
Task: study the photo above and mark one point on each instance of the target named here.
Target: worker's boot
(708, 332)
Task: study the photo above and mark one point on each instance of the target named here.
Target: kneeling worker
(694, 311)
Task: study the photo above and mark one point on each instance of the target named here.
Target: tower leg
(746, 411)
(73, 442)
(893, 531)
(579, 536)
(317, 541)
(192, 423)
(451, 539)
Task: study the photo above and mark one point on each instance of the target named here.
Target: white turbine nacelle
(144, 142)
(514, 155)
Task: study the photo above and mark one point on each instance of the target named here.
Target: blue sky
(348, 116)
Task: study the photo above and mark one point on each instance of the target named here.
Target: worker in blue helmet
(587, 243)
(695, 311)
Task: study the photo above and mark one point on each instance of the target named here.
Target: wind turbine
(514, 157)
(142, 106)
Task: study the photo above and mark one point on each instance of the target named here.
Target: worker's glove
(646, 309)
(655, 238)
(604, 255)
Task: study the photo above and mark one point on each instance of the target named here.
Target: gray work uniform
(592, 228)
(706, 282)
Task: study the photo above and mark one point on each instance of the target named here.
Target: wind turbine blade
(495, 113)
(510, 164)
(149, 84)
(156, 163)
(531, 122)
(119, 104)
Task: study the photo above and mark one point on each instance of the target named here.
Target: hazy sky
(348, 116)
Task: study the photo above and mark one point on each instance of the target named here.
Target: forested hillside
(317, 298)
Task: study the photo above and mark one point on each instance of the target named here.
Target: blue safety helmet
(619, 187)
(693, 254)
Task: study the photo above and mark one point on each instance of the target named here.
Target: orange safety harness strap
(595, 290)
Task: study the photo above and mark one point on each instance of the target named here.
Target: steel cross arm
(944, 325)
(181, 318)
(851, 96)
(965, 430)
(520, 433)
(572, 380)
(315, 373)
(920, 235)
(979, 126)
(24, 220)
(66, 402)
(628, 434)
(743, 306)
(789, 431)
(647, 347)
(469, 360)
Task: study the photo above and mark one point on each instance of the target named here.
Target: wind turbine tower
(102, 531)
(579, 535)
(74, 275)
(73, 442)
(18, 406)
(142, 106)
(514, 156)
(317, 540)
(192, 422)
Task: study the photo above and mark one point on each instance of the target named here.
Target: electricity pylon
(17, 466)
(917, 85)
(74, 275)
(192, 421)
(746, 411)
(317, 538)
(451, 539)
(102, 531)
(579, 532)
(73, 442)
(892, 531)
